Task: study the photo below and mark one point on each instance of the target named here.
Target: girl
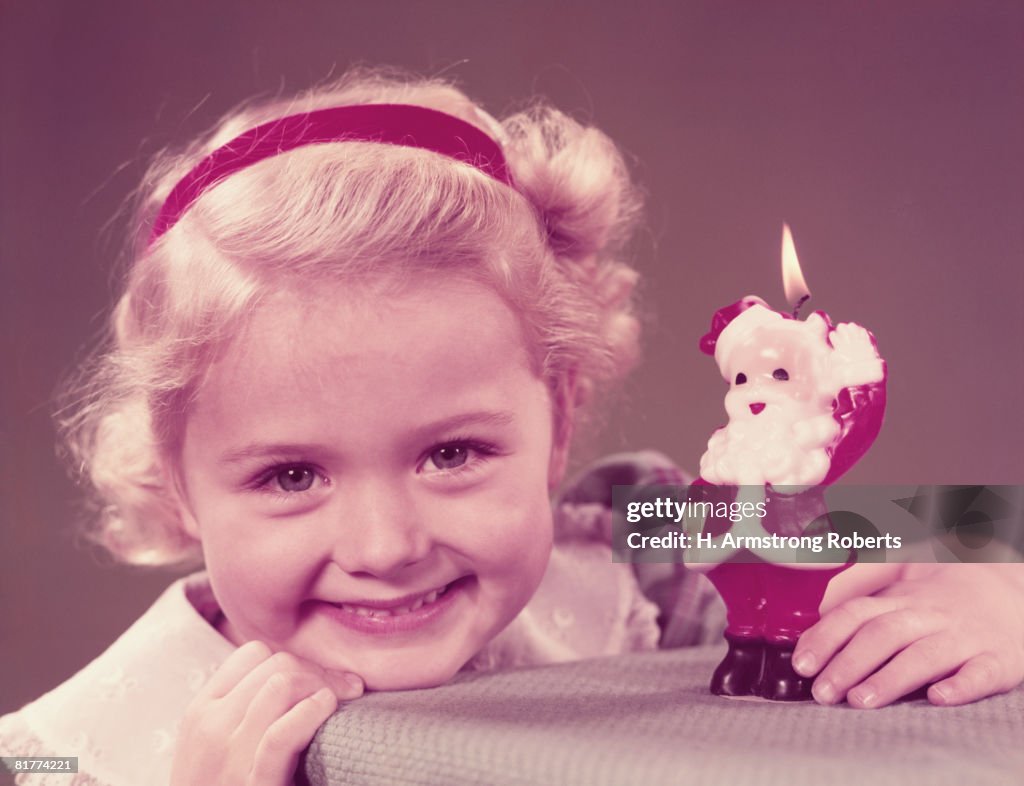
(346, 368)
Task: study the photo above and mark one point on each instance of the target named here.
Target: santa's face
(780, 414)
(770, 380)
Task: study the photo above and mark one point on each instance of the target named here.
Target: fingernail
(804, 663)
(943, 694)
(324, 695)
(863, 696)
(355, 683)
(823, 692)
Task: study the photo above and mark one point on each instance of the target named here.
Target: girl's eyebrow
(464, 419)
(256, 450)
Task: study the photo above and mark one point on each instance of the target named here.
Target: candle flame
(792, 278)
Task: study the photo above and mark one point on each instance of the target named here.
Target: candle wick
(799, 304)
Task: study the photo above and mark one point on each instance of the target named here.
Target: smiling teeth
(364, 611)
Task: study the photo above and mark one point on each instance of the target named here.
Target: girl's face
(368, 474)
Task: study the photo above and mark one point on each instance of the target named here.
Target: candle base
(755, 669)
(739, 673)
(779, 681)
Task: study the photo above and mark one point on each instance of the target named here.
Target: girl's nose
(380, 533)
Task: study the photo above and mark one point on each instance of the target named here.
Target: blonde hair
(550, 247)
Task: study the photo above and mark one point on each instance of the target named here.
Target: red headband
(393, 124)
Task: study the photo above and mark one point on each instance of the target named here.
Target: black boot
(780, 682)
(739, 673)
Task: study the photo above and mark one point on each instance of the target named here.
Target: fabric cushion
(649, 719)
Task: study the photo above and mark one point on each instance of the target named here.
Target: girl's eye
(295, 478)
(741, 378)
(457, 457)
(449, 456)
(780, 374)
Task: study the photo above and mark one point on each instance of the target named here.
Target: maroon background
(887, 134)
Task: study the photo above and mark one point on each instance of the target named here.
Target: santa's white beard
(764, 448)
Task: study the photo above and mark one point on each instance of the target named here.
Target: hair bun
(575, 178)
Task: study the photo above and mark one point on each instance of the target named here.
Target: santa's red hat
(724, 317)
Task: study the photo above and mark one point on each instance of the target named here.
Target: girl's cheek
(262, 559)
(502, 534)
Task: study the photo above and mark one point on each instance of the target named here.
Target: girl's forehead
(429, 317)
(348, 365)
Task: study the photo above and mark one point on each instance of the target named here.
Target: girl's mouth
(394, 608)
(399, 615)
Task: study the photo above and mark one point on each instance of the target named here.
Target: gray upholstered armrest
(648, 719)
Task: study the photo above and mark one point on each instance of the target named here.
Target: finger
(922, 662)
(874, 643)
(981, 676)
(235, 667)
(831, 633)
(236, 702)
(281, 692)
(278, 751)
(346, 686)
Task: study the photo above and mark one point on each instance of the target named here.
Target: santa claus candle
(805, 401)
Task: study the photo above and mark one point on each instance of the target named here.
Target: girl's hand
(958, 626)
(254, 717)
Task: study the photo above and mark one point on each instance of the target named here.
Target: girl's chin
(411, 678)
